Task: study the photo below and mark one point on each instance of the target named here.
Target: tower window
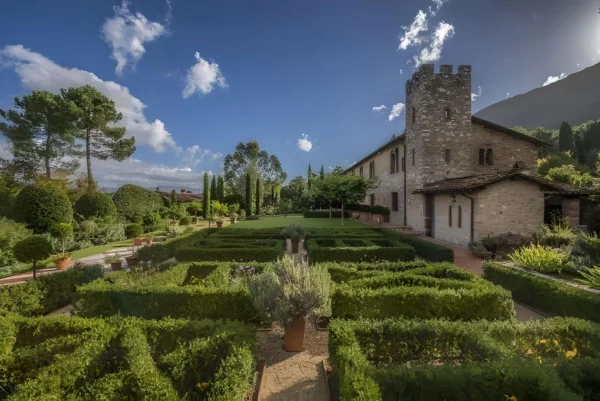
(372, 169)
(394, 201)
(360, 170)
(447, 155)
(486, 157)
(414, 115)
(413, 157)
(447, 111)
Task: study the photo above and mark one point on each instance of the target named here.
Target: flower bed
(125, 358)
(397, 359)
(186, 290)
(415, 290)
(547, 295)
(47, 293)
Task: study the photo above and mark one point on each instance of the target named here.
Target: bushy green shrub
(425, 249)
(322, 253)
(133, 230)
(544, 294)
(48, 292)
(11, 232)
(336, 214)
(185, 221)
(591, 277)
(75, 358)
(95, 204)
(41, 205)
(589, 245)
(540, 258)
(165, 250)
(32, 250)
(134, 202)
(557, 235)
(257, 254)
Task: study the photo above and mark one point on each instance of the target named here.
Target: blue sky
(272, 71)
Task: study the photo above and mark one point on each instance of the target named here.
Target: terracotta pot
(148, 241)
(62, 264)
(116, 265)
(233, 220)
(131, 260)
(219, 224)
(294, 335)
(137, 242)
(295, 245)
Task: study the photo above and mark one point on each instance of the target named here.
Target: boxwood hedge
(425, 249)
(125, 358)
(396, 359)
(547, 295)
(321, 250)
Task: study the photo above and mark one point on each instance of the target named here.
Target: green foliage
(540, 258)
(293, 231)
(219, 253)
(62, 232)
(164, 250)
(425, 249)
(41, 205)
(194, 208)
(234, 208)
(219, 208)
(369, 251)
(291, 288)
(325, 214)
(11, 232)
(134, 202)
(171, 359)
(32, 249)
(569, 175)
(94, 126)
(95, 204)
(133, 230)
(185, 221)
(213, 188)
(221, 189)
(546, 295)
(259, 197)
(558, 160)
(565, 138)
(588, 244)
(343, 189)
(48, 292)
(206, 212)
(591, 277)
(249, 197)
(557, 235)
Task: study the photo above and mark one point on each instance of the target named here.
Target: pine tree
(248, 195)
(258, 196)
(322, 174)
(173, 198)
(221, 189)
(213, 188)
(206, 198)
(309, 178)
(565, 138)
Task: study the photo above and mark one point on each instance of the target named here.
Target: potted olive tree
(233, 212)
(295, 233)
(194, 209)
(289, 293)
(62, 232)
(32, 249)
(114, 261)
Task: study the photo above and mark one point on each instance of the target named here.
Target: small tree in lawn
(258, 196)
(345, 189)
(62, 232)
(173, 198)
(249, 205)
(32, 250)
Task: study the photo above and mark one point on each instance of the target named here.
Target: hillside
(574, 99)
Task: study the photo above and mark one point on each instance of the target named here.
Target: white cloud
(433, 53)
(39, 72)
(5, 152)
(475, 96)
(438, 5)
(401, 72)
(202, 77)
(507, 95)
(551, 79)
(330, 168)
(397, 109)
(379, 108)
(194, 155)
(126, 34)
(411, 35)
(577, 64)
(304, 144)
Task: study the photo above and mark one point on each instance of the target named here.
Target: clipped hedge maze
(213, 290)
(73, 358)
(415, 290)
(398, 359)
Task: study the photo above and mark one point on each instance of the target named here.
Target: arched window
(482, 156)
(489, 157)
(414, 115)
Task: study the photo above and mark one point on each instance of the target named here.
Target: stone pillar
(570, 209)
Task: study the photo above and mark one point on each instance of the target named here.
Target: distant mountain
(574, 99)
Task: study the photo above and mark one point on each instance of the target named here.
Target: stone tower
(438, 132)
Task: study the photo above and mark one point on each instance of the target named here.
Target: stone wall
(512, 205)
(570, 209)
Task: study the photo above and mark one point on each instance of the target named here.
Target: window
(392, 162)
(450, 216)
(372, 169)
(397, 160)
(372, 199)
(459, 216)
(447, 155)
(360, 170)
(414, 115)
(486, 156)
(403, 164)
(447, 112)
(413, 154)
(394, 201)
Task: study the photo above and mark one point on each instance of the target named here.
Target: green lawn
(280, 221)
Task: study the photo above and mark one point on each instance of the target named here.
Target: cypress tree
(565, 138)
(173, 198)
(309, 178)
(206, 197)
(221, 189)
(258, 196)
(213, 188)
(322, 172)
(248, 195)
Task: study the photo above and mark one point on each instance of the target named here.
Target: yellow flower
(555, 342)
(542, 341)
(513, 398)
(529, 351)
(571, 354)
(539, 359)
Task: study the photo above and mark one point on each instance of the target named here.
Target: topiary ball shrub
(185, 221)
(96, 204)
(133, 230)
(42, 205)
(32, 250)
(134, 202)
(252, 217)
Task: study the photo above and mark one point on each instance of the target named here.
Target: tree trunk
(34, 270)
(88, 157)
(342, 212)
